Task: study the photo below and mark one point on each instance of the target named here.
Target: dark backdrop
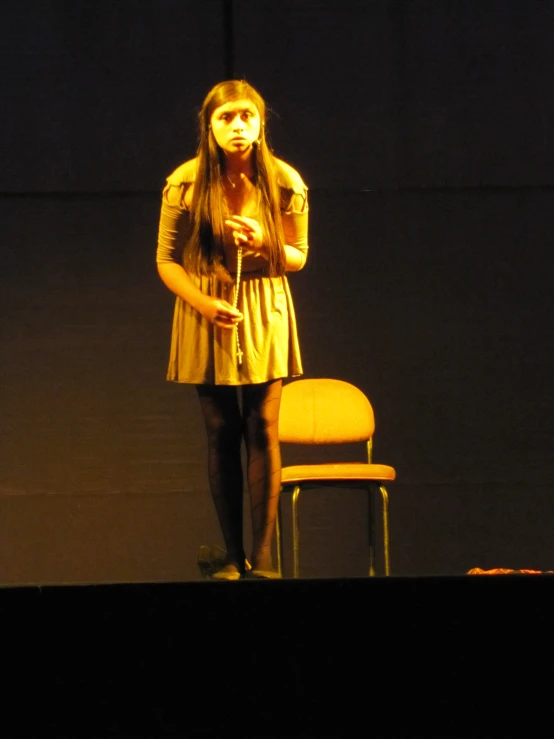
(423, 132)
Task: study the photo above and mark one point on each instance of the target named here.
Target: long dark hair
(204, 250)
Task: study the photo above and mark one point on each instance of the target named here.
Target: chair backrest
(324, 411)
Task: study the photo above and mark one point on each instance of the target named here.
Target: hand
(247, 232)
(220, 313)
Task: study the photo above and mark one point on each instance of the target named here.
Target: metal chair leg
(371, 529)
(295, 534)
(279, 539)
(386, 552)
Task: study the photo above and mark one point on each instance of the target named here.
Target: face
(235, 126)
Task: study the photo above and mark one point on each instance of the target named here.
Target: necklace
(242, 178)
(235, 304)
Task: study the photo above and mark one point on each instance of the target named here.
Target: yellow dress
(202, 353)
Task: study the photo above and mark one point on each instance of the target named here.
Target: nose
(238, 124)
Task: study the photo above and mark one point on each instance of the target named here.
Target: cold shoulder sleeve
(174, 224)
(294, 208)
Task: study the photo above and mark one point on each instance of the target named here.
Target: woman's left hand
(247, 233)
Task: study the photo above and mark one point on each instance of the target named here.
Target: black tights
(226, 426)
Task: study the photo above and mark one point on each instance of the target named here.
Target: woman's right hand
(220, 312)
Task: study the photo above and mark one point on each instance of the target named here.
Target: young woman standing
(234, 221)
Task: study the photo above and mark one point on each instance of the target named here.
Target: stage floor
(459, 656)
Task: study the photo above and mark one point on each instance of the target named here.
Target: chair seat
(342, 471)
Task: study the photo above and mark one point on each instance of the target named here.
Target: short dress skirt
(267, 337)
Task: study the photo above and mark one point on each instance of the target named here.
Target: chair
(329, 411)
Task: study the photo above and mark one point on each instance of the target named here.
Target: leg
(222, 418)
(260, 410)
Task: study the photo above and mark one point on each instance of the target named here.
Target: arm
(295, 228)
(295, 259)
(177, 280)
(172, 229)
